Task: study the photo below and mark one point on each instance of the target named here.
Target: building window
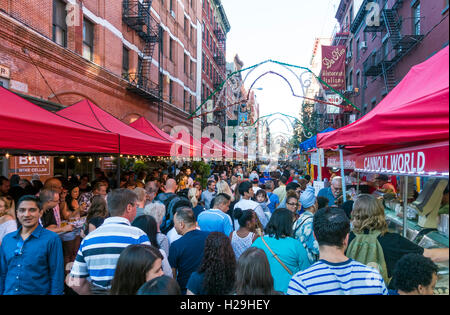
(358, 79)
(171, 91)
(161, 42)
(4, 83)
(171, 49)
(192, 74)
(416, 18)
(125, 62)
(350, 80)
(59, 23)
(186, 64)
(357, 49)
(186, 25)
(88, 40)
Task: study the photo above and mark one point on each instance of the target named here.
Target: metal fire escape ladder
(136, 15)
(391, 21)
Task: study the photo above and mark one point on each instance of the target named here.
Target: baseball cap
(253, 177)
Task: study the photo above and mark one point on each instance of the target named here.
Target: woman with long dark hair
(216, 273)
(97, 213)
(253, 275)
(147, 223)
(137, 264)
(286, 255)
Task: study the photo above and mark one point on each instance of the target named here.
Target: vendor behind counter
(431, 203)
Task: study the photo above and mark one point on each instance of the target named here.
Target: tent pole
(341, 157)
(118, 170)
(319, 165)
(357, 184)
(405, 204)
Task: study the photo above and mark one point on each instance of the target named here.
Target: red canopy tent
(408, 132)
(145, 126)
(132, 141)
(28, 127)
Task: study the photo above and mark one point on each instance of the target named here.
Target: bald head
(53, 184)
(171, 185)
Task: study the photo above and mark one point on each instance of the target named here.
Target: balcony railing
(142, 86)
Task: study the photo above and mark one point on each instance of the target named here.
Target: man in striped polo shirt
(334, 273)
(95, 264)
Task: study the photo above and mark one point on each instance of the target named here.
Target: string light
(7, 155)
(62, 160)
(90, 159)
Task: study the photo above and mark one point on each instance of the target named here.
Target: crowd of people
(249, 231)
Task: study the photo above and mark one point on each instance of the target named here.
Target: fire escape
(136, 15)
(382, 62)
(219, 59)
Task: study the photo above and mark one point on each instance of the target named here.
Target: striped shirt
(346, 278)
(100, 250)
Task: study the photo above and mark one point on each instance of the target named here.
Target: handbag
(276, 257)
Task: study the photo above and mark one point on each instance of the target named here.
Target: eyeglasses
(18, 251)
(292, 204)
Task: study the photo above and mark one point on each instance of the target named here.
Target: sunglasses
(18, 251)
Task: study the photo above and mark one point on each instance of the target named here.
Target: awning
(26, 127)
(312, 142)
(416, 111)
(132, 141)
(408, 132)
(181, 148)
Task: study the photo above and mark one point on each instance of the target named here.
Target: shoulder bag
(276, 257)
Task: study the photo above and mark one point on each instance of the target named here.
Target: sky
(284, 31)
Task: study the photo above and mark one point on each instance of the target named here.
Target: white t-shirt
(6, 228)
(172, 235)
(251, 205)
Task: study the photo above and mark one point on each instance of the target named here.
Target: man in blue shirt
(31, 259)
(216, 219)
(333, 192)
(209, 194)
(186, 253)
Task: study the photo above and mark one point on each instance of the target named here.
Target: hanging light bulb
(79, 160)
(62, 160)
(7, 155)
(90, 159)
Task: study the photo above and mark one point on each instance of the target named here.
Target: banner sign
(333, 67)
(27, 166)
(420, 161)
(335, 161)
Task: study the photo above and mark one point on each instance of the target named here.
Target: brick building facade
(130, 57)
(380, 54)
(215, 27)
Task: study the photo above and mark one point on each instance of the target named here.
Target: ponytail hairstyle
(243, 216)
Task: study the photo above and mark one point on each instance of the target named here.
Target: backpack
(366, 249)
(170, 204)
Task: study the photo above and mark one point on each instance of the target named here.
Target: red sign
(428, 160)
(333, 67)
(27, 166)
